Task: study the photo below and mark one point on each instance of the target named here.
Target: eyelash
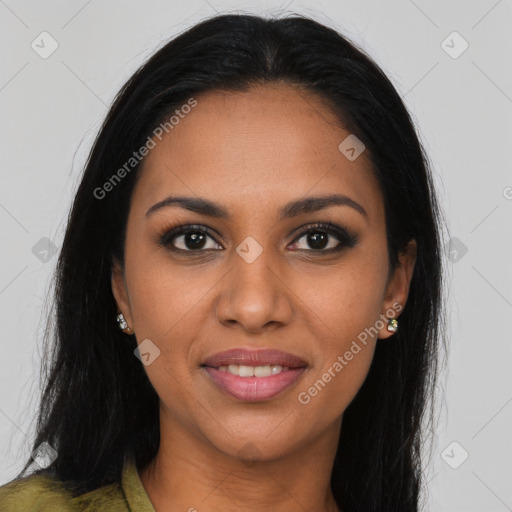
(345, 237)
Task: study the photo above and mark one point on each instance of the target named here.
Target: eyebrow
(291, 209)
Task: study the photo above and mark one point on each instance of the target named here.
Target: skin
(253, 152)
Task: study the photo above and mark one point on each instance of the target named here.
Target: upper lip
(254, 357)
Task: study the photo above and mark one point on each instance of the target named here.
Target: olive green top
(38, 493)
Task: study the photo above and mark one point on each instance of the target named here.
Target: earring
(392, 325)
(121, 321)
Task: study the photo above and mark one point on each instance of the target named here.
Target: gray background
(51, 109)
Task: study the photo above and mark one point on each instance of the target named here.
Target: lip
(254, 389)
(254, 357)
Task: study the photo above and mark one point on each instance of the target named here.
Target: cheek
(341, 301)
(343, 313)
(168, 306)
(345, 353)
(164, 303)
(164, 294)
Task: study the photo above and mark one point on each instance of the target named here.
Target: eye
(321, 238)
(317, 238)
(189, 238)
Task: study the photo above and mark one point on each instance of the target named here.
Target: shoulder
(36, 493)
(39, 493)
(108, 497)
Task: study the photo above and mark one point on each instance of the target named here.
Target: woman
(249, 293)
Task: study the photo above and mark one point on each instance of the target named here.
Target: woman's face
(256, 280)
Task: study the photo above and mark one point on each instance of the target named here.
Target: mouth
(254, 375)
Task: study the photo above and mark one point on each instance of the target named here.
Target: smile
(253, 383)
(254, 375)
(253, 371)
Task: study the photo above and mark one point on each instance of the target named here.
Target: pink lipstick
(254, 375)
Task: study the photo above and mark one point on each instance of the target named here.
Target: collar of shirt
(133, 490)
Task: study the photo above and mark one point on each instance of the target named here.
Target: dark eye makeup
(195, 237)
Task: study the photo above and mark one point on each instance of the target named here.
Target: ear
(119, 290)
(397, 289)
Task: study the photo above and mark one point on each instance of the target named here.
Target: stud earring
(121, 321)
(392, 325)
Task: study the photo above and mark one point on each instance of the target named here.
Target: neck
(189, 474)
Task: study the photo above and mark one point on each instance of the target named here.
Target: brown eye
(325, 238)
(189, 238)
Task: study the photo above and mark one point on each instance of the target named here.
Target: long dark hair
(98, 403)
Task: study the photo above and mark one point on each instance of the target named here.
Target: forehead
(267, 145)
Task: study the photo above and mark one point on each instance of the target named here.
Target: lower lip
(254, 389)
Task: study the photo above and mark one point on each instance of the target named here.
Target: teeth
(265, 371)
(253, 371)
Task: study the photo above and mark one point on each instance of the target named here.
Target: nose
(254, 297)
